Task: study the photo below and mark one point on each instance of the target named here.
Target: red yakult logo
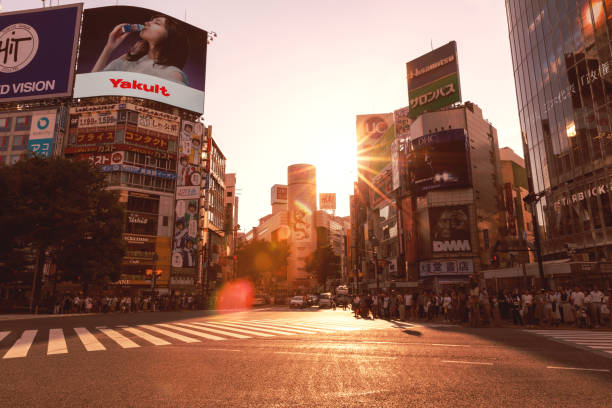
(120, 83)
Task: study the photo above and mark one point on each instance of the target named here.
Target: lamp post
(532, 199)
(375, 251)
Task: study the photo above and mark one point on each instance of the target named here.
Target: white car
(325, 300)
(297, 301)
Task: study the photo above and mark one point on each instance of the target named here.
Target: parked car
(297, 302)
(259, 300)
(325, 300)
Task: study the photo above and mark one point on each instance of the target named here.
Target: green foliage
(323, 264)
(263, 262)
(61, 206)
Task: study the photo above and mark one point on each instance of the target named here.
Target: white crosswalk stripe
(239, 330)
(200, 326)
(119, 338)
(192, 332)
(22, 346)
(170, 334)
(3, 334)
(261, 329)
(57, 342)
(598, 341)
(286, 327)
(89, 340)
(146, 336)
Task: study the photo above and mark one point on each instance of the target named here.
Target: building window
(4, 141)
(23, 122)
(5, 124)
(20, 142)
(229, 193)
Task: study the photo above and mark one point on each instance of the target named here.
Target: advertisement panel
(446, 267)
(185, 234)
(278, 194)
(450, 229)
(38, 52)
(97, 119)
(84, 138)
(114, 57)
(375, 134)
(433, 80)
(156, 124)
(438, 160)
(327, 201)
(42, 132)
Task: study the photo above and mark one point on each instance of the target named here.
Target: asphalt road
(283, 358)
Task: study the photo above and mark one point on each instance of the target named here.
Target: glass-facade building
(563, 74)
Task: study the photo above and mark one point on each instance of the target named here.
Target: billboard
(42, 131)
(278, 194)
(438, 160)
(116, 58)
(327, 201)
(375, 134)
(450, 229)
(38, 51)
(433, 80)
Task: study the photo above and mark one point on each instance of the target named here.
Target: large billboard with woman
(138, 52)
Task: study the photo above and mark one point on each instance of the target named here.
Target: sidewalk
(6, 317)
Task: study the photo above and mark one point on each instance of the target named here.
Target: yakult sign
(38, 52)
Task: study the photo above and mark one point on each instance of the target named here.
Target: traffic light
(158, 272)
(495, 260)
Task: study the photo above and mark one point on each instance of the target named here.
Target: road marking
(284, 327)
(89, 340)
(450, 345)
(311, 327)
(119, 338)
(4, 334)
(220, 349)
(199, 326)
(192, 332)
(170, 334)
(254, 333)
(326, 328)
(579, 369)
(255, 327)
(57, 342)
(146, 336)
(466, 362)
(22, 346)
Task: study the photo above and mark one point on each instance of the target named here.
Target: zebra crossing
(90, 339)
(594, 341)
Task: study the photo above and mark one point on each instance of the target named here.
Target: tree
(323, 263)
(263, 262)
(60, 208)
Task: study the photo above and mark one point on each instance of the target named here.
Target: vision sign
(38, 52)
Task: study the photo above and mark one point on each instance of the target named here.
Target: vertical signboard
(115, 57)
(278, 194)
(375, 135)
(189, 180)
(42, 132)
(402, 121)
(38, 52)
(433, 80)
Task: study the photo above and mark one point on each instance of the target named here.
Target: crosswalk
(15, 344)
(591, 340)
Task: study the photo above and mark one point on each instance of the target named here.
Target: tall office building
(561, 59)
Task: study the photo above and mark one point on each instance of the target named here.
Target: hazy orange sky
(286, 78)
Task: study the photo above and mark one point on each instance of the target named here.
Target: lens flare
(234, 295)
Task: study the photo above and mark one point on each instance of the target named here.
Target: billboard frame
(75, 47)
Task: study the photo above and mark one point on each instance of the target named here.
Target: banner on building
(42, 132)
(278, 194)
(97, 119)
(327, 201)
(184, 244)
(38, 52)
(114, 58)
(433, 80)
(450, 229)
(446, 267)
(375, 134)
(438, 161)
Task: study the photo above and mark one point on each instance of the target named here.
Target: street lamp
(532, 199)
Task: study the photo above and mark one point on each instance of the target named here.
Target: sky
(285, 79)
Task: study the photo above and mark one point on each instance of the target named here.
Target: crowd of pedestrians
(122, 304)
(477, 307)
